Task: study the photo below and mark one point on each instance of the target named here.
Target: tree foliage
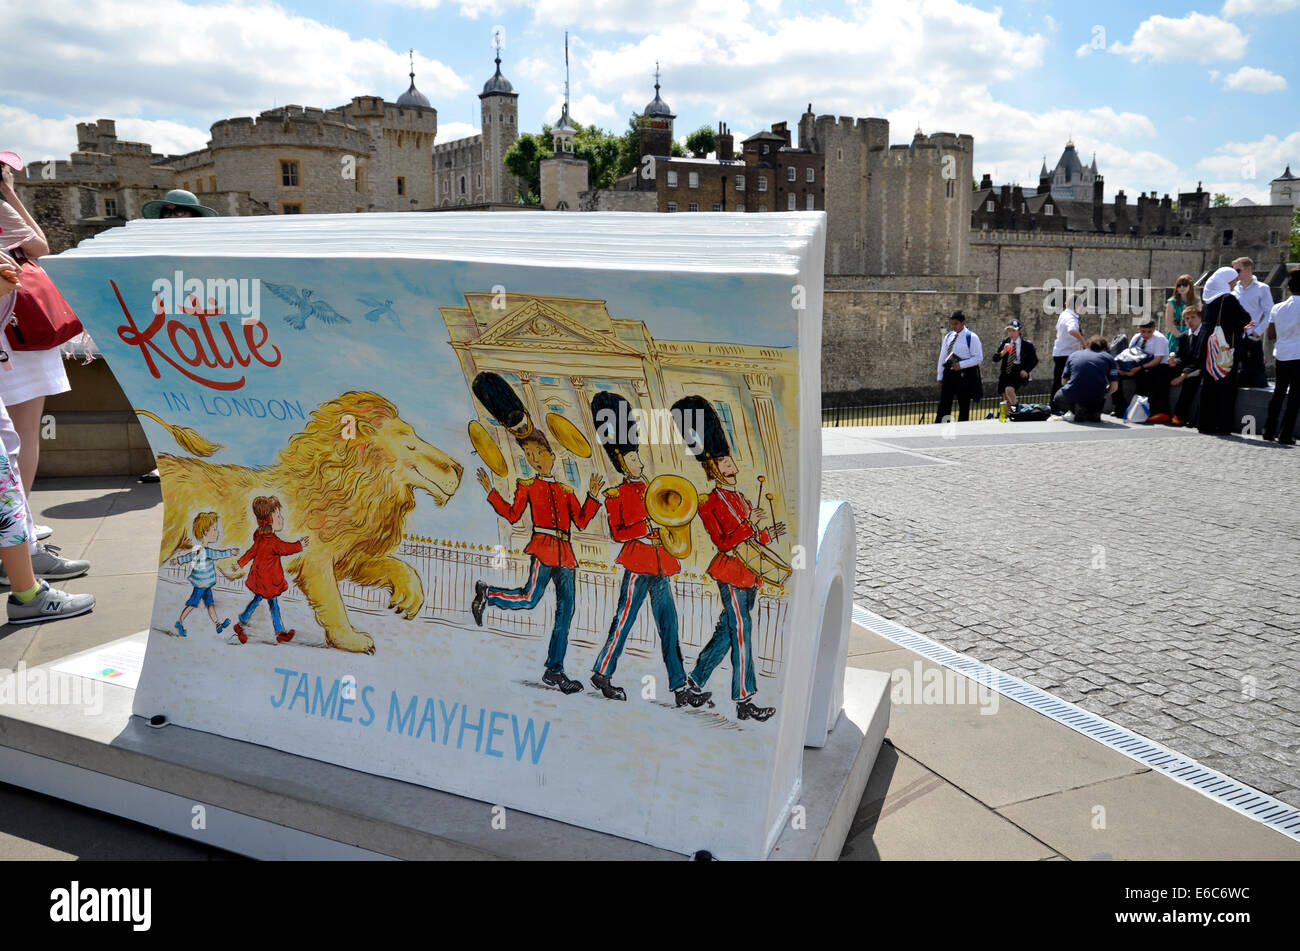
(1220, 200)
(702, 141)
(1295, 236)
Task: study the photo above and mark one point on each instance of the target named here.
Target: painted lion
(346, 481)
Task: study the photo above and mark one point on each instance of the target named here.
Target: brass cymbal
(486, 447)
(568, 435)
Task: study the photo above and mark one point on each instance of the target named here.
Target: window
(765, 149)
(290, 209)
(401, 185)
(185, 185)
(724, 411)
(762, 207)
(839, 155)
(356, 179)
(478, 180)
(571, 470)
(762, 183)
(110, 207)
(672, 206)
(740, 183)
(948, 189)
(693, 206)
(1047, 210)
(212, 183)
(791, 174)
(288, 174)
(790, 202)
(989, 206)
(808, 174)
(1227, 238)
(462, 184)
(811, 204)
(693, 180)
(1272, 237)
(717, 206)
(672, 179)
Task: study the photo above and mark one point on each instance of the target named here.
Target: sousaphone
(671, 501)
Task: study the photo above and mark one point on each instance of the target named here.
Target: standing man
(1068, 340)
(554, 510)
(646, 565)
(1257, 299)
(730, 521)
(960, 356)
(1284, 321)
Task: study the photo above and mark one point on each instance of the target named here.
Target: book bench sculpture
(522, 507)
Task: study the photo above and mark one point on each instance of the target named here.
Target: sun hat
(12, 160)
(181, 199)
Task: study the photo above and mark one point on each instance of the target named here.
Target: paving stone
(1180, 642)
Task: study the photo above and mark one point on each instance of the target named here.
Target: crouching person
(1089, 376)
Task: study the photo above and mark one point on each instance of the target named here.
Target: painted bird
(379, 308)
(307, 307)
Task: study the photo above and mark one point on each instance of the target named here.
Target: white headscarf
(1218, 284)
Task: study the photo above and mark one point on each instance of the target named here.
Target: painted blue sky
(1165, 94)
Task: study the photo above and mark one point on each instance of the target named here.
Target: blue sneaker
(223, 625)
(180, 629)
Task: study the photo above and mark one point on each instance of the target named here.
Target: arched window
(462, 184)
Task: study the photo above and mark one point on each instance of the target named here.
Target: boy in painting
(266, 577)
(204, 573)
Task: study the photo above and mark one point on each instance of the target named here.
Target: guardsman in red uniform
(647, 566)
(730, 520)
(555, 511)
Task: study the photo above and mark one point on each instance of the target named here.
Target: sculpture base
(267, 804)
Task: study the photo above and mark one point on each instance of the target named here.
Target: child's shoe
(284, 637)
(180, 629)
(223, 625)
(239, 633)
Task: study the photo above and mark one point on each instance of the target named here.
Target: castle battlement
(290, 126)
(469, 141)
(1075, 239)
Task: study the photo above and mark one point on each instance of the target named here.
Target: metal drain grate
(1249, 802)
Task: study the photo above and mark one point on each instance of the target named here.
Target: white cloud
(240, 58)
(1236, 8)
(1161, 39)
(37, 139)
(1252, 79)
(451, 131)
(1246, 165)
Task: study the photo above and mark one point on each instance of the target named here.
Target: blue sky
(1165, 94)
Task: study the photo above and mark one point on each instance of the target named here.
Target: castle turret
(564, 177)
(499, 111)
(655, 128)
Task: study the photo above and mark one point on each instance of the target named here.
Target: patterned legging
(13, 506)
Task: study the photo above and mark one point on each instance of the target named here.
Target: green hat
(181, 198)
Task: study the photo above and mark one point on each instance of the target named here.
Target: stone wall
(608, 200)
(1006, 260)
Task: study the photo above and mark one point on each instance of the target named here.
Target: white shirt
(1257, 299)
(1286, 318)
(1066, 343)
(967, 350)
(1157, 346)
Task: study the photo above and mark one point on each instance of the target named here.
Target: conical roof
(498, 85)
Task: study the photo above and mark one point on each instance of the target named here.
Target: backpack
(1030, 413)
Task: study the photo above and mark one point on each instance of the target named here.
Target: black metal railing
(909, 414)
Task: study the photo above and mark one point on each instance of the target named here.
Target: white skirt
(32, 373)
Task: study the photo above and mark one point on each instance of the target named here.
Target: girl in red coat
(266, 577)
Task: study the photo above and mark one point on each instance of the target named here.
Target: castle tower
(564, 177)
(499, 109)
(1285, 189)
(655, 136)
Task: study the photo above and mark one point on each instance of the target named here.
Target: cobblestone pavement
(1152, 581)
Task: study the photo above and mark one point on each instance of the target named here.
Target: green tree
(1295, 236)
(524, 160)
(702, 141)
(629, 152)
(1220, 200)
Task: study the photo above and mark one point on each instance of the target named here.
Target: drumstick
(771, 508)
